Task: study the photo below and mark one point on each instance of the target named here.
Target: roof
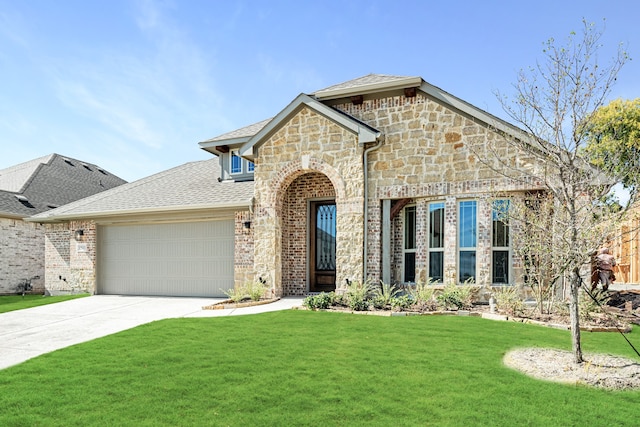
(367, 84)
(190, 186)
(47, 182)
(364, 132)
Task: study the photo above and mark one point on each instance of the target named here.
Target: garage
(170, 259)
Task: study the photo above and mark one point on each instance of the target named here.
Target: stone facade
(70, 263)
(22, 255)
(431, 153)
(308, 143)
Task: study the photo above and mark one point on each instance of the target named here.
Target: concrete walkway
(28, 333)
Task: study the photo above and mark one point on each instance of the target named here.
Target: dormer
(233, 167)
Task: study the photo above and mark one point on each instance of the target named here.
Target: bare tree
(553, 103)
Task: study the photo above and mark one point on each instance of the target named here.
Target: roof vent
(68, 161)
(51, 206)
(24, 201)
(86, 166)
(102, 172)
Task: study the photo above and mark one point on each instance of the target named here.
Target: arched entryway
(309, 235)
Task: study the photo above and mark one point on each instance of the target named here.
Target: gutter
(129, 212)
(380, 140)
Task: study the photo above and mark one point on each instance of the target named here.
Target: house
(378, 178)
(34, 187)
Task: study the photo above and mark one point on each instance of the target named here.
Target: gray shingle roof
(39, 185)
(242, 132)
(193, 185)
(369, 79)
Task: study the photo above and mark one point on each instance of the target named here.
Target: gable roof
(364, 132)
(255, 134)
(47, 182)
(367, 84)
(189, 187)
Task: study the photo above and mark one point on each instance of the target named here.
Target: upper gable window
(236, 163)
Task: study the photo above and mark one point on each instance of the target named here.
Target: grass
(18, 302)
(309, 368)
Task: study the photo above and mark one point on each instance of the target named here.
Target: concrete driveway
(25, 334)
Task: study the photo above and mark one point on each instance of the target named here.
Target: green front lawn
(296, 368)
(18, 302)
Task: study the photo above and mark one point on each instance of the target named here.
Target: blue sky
(133, 86)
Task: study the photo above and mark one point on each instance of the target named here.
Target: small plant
(403, 302)
(454, 297)
(424, 295)
(509, 301)
(358, 295)
(322, 301)
(384, 294)
(256, 289)
(236, 294)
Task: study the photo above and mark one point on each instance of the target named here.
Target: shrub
(383, 295)
(236, 294)
(454, 297)
(256, 289)
(402, 302)
(508, 301)
(322, 301)
(358, 295)
(424, 295)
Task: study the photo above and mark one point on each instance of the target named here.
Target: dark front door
(322, 251)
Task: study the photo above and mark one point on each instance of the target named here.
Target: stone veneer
(70, 264)
(308, 143)
(429, 153)
(21, 255)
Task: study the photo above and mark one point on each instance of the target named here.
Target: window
(467, 238)
(500, 254)
(436, 242)
(250, 166)
(409, 244)
(236, 162)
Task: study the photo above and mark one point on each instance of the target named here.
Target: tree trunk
(575, 317)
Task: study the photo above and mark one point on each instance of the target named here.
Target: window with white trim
(236, 163)
(500, 244)
(467, 240)
(409, 245)
(436, 241)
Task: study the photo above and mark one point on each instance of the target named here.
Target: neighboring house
(378, 178)
(34, 187)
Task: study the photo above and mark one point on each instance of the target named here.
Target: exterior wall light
(247, 224)
(78, 235)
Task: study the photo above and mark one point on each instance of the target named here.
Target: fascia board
(370, 88)
(129, 212)
(210, 146)
(365, 134)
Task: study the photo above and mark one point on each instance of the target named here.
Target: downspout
(380, 140)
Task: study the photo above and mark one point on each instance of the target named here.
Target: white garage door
(180, 259)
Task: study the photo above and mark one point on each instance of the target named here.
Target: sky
(134, 85)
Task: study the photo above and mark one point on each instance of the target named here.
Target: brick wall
(308, 143)
(294, 225)
(21, 255)
(70, 263)
(243, 257)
